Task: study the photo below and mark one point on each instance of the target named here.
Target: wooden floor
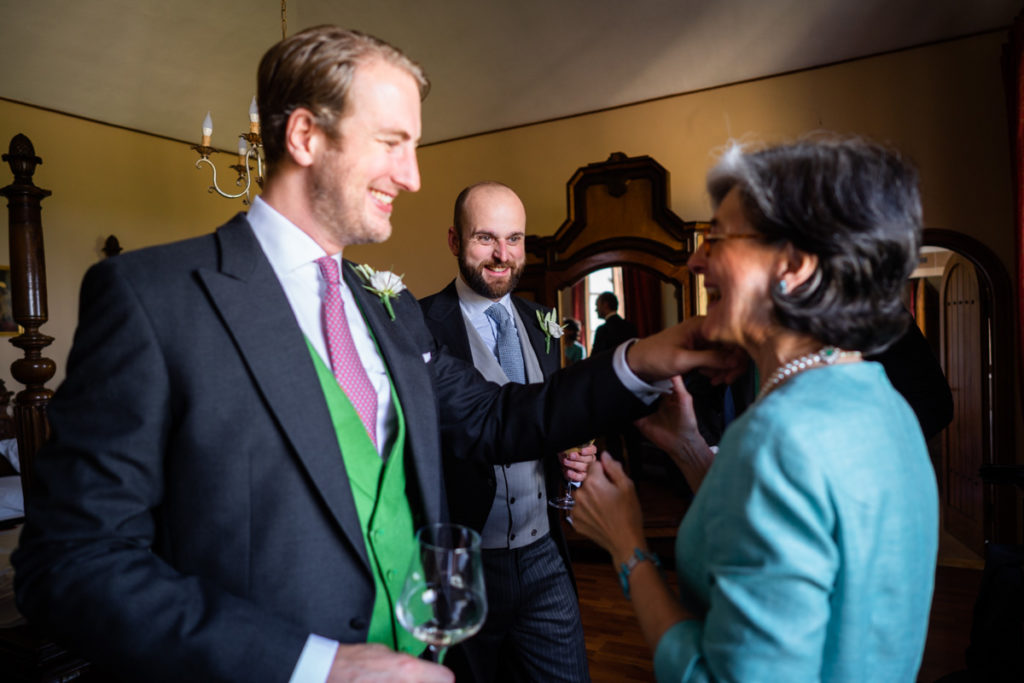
(617, 652)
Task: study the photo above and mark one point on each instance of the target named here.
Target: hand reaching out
(681, 348)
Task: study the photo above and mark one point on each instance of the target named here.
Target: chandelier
(250, 145)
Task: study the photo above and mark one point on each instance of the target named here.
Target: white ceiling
(158, 66)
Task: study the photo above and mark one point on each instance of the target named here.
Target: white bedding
(12, 503)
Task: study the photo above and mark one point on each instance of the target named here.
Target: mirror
(620, 235)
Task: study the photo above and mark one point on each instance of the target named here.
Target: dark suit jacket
(471, 483)
(193, 519)
(612, 332)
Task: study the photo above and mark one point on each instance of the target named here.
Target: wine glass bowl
(443, 600)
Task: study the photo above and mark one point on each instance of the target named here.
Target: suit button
(390, 574)
(512, 537)
(357, 624)
(533, 533)
(538, 495)
(512, 502)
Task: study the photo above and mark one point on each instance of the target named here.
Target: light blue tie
(510, 354)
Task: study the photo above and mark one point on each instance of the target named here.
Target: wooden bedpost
(28, 294)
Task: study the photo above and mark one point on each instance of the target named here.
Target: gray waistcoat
(519, 514)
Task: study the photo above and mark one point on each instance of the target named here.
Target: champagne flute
(565, 501)
(443, 600)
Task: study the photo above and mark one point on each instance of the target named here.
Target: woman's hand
(608, 511)
(673, 429)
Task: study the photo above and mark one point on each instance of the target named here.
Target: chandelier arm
(216, 188)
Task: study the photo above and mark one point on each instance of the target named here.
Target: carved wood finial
(28, 290)
(22, 159)
(112, 247)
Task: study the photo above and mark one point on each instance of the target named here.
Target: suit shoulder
(448, 294)
(162, 260)
(532, 305)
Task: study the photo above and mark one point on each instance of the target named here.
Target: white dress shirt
(293, 254)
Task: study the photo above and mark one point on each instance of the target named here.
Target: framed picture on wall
(8, 327)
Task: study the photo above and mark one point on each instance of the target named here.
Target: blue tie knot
(509, 353)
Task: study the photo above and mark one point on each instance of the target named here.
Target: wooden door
(965, 442)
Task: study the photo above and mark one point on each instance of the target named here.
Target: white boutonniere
(383, 283)
(549, 325)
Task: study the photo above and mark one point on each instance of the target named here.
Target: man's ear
(796, 267)
(302, 137)
(453, 240)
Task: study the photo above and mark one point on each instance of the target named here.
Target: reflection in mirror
(649, 301)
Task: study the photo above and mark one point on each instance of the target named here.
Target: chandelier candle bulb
(207, 130)
(242, 149)
(254, 116)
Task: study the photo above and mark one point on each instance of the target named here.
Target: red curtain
(642, 293)
(578, 308)
(1013, 67)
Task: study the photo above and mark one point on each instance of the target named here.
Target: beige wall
(942, 105)
(143, 189)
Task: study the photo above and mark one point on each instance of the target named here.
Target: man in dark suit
(246, 442)
(533, 629)
(615, 329)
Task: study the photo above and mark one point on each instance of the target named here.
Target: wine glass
(443, 601)
(565, 501)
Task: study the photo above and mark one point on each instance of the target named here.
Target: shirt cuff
(314, 665)
(648, 393)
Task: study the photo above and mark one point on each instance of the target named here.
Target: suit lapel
(451, 331)
(254, 308)
(549, 360)
(411, 378)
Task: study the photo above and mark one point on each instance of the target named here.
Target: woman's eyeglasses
(709, 239)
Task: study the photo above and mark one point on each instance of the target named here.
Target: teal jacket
(809, 551)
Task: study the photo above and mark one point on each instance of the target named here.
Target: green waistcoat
(378, 487)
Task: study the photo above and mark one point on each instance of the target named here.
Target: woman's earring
(782, 287)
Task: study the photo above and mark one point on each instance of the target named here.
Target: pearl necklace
(827, 355)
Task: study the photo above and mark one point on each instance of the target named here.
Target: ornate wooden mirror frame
(618, 214)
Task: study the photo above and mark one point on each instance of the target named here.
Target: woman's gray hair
(852, 203)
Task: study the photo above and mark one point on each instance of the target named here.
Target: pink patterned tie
(345, 363)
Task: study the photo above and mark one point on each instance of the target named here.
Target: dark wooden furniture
(618, 214)
(28, 293)
(26, 653)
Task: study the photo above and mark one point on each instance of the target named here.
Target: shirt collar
(286, 245)
(474, 304)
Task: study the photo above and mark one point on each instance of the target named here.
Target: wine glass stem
(436, 653)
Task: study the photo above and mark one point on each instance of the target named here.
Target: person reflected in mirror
(615, 329)
(809, 550)
(574, 351)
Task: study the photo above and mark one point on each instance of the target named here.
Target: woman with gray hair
(809, 550)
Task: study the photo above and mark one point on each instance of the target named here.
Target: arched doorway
(976, 347)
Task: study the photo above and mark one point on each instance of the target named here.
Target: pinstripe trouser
(533, 630)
